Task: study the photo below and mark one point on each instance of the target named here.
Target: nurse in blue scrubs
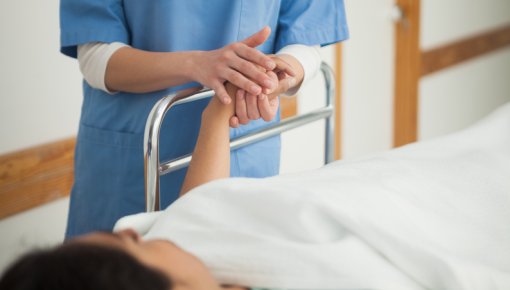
(174, 44)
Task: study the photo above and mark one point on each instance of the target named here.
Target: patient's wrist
(218, 111)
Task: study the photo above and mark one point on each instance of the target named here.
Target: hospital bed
(154, 168)
(430, 215)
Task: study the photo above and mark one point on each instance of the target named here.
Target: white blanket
(434, 215)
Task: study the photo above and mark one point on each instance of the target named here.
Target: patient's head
(109, 261)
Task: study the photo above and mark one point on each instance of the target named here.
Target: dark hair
(81, 267)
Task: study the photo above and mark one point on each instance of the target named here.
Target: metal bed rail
(154, 169)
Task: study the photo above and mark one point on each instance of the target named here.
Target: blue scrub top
(109, 180)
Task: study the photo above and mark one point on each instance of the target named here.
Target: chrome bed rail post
(151, 143)
(153, 169)
(329, 82)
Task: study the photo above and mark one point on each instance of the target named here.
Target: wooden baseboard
(34, 176)
(445, 56)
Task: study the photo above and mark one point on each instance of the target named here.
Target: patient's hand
(252, 107)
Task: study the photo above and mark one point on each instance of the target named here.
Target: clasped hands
(259, 78)
(250, 106)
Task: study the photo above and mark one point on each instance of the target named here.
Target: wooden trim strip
(407, 73)
(288, 106)
(34, 176)
(442, 57)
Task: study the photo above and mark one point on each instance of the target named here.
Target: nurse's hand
(236, 63)
(268, 104)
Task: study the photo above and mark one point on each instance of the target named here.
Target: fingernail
(262, 96)
(292, 82)
(226, 100)
(270, 65)
(255, 89)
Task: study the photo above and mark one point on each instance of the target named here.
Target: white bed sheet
(433, 215)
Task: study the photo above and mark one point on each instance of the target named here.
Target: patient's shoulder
(140, 222)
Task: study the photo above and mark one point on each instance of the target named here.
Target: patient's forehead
(99, 238)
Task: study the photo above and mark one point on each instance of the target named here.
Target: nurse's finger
(258, 38)
(240, 81)
(283, 66)
(285, 85)
(252, 107)
(265, 109)
(255, 56)
(253, 72)
(241, 107)
(221, 93)
(274, 78)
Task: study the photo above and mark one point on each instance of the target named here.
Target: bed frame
(154, 168)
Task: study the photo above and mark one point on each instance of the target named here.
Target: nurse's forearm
(137, 71)
(211, 157)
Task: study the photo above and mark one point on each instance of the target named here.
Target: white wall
(40, 91)
(367, 108)
(35, 228)
(40, 99)
(446, 21)
(458, 96)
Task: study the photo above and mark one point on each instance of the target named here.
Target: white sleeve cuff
(310, 59)
(93, 58)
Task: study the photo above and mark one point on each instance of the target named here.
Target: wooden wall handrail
(34, 176)
(453, 53)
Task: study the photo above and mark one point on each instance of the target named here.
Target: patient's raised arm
(211, 157)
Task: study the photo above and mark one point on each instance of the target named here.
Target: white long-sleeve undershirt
(93, 58)
(310, 59)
